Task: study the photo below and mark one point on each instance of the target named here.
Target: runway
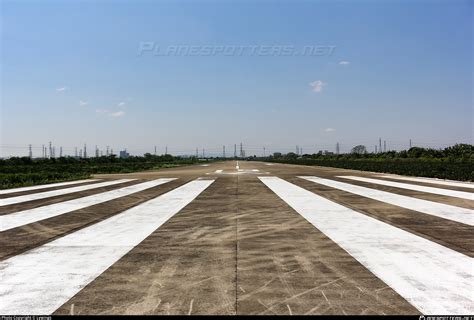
(239, 237)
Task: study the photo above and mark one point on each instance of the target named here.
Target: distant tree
(291, 155)
(277, 155)
(416, 152)
(460, 151)
(359, 149)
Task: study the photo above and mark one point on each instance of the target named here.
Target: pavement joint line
(237, 248)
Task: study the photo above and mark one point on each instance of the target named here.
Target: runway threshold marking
(44, 186)
(21, 218)
(444, 192)
(431, 180)
(433, 278)
(53, 193)
(441, 210)
(41, 280)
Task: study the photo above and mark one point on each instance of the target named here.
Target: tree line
(24, 171)
(454, 162)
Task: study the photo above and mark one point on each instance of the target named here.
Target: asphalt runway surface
(239, 237)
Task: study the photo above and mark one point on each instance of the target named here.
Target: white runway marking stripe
(21, 218)
(433, 278)
(444, 192)
(53, 193)
(44, 186)
(432, 180)
(41, 280)
(442, 210)
(219, 171)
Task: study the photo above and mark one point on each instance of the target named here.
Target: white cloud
(117, 114)
(61, 89)
(113, 114)
(329, 130)
(83, 103)
(317, 85)
(344, 62)
(121, 104)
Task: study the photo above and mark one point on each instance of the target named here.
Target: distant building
(124, 154)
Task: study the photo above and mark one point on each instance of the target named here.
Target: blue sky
(72, 73)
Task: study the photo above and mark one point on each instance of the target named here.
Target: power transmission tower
(380, 144)
(75, 152)
(203, 152)
(155, 150)
(30, 153)
(85, 151)
(235, 151)
(60, 152)
(96, 152)
(197, 151)
(384, 146)
(337, 148)
(50, 149)
(42, 151)
(241, 151)
(410, 143)
(264, 152)
(107, 151)
(166, 150)
(54, 152)
(223, 152)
